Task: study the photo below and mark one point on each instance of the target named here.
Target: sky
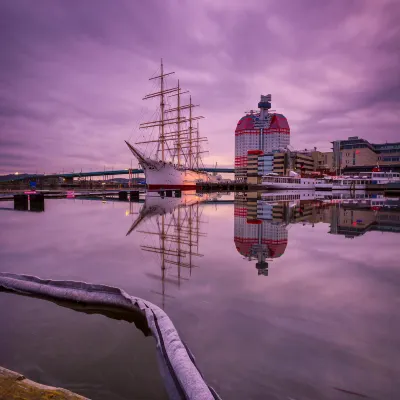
(73, 73)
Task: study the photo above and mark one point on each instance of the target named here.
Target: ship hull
(166, 175)
(169, 176)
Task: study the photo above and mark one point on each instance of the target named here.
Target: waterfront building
(253, 157)
(281, 163)
(323, 161)
(266, 163)
(262, 130)
(388, 154)
(356, 154)
(300, 162)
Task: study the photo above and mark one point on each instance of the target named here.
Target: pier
(22, 197)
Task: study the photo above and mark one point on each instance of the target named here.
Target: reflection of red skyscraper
(258, 239)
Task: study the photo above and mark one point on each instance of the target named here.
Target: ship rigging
(177, 233)
(177, 161)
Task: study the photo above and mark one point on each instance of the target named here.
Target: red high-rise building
(262, 130)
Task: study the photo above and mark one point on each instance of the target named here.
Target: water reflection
(329, 302)
(261, 224)
(176, 228)
(262, 220)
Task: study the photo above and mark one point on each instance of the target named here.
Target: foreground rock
(16, 386)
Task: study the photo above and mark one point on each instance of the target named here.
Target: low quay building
(357, 155)
(259, 164)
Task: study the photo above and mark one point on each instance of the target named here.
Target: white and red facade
(264, 130)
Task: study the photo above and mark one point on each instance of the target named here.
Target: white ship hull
(349, 186)
(340, 186)
(165, 175)
(169, 176)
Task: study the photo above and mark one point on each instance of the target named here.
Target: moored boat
(329, 183)
(176, 163)
(294, 181)
(357, 182)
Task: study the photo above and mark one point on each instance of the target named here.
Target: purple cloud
(73, 73)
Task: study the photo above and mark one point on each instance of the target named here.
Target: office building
(262, 130)
(357, 154)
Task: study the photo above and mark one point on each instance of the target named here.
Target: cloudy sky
(73, 73)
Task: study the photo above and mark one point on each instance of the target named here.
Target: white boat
(380, 177)
(294, 181)
(341, 183)
(176, 163)
(357, 182)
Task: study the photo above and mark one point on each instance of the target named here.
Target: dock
(123, 194)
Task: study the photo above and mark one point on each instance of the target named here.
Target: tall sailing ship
(177, 162)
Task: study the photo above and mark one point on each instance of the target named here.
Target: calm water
(277, 300)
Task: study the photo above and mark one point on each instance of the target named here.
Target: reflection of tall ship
(176, 162)
(177, 232)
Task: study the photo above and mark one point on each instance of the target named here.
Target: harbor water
(277, 297)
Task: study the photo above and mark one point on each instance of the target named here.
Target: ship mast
(179, 133)
(198, 146)
(162, 105)
(190, 134)
(178, 140)
(162, 121)
(182, 142)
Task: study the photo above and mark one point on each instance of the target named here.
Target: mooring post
(37, 202)
(134, 195)
(21, 202)
(123, 195)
